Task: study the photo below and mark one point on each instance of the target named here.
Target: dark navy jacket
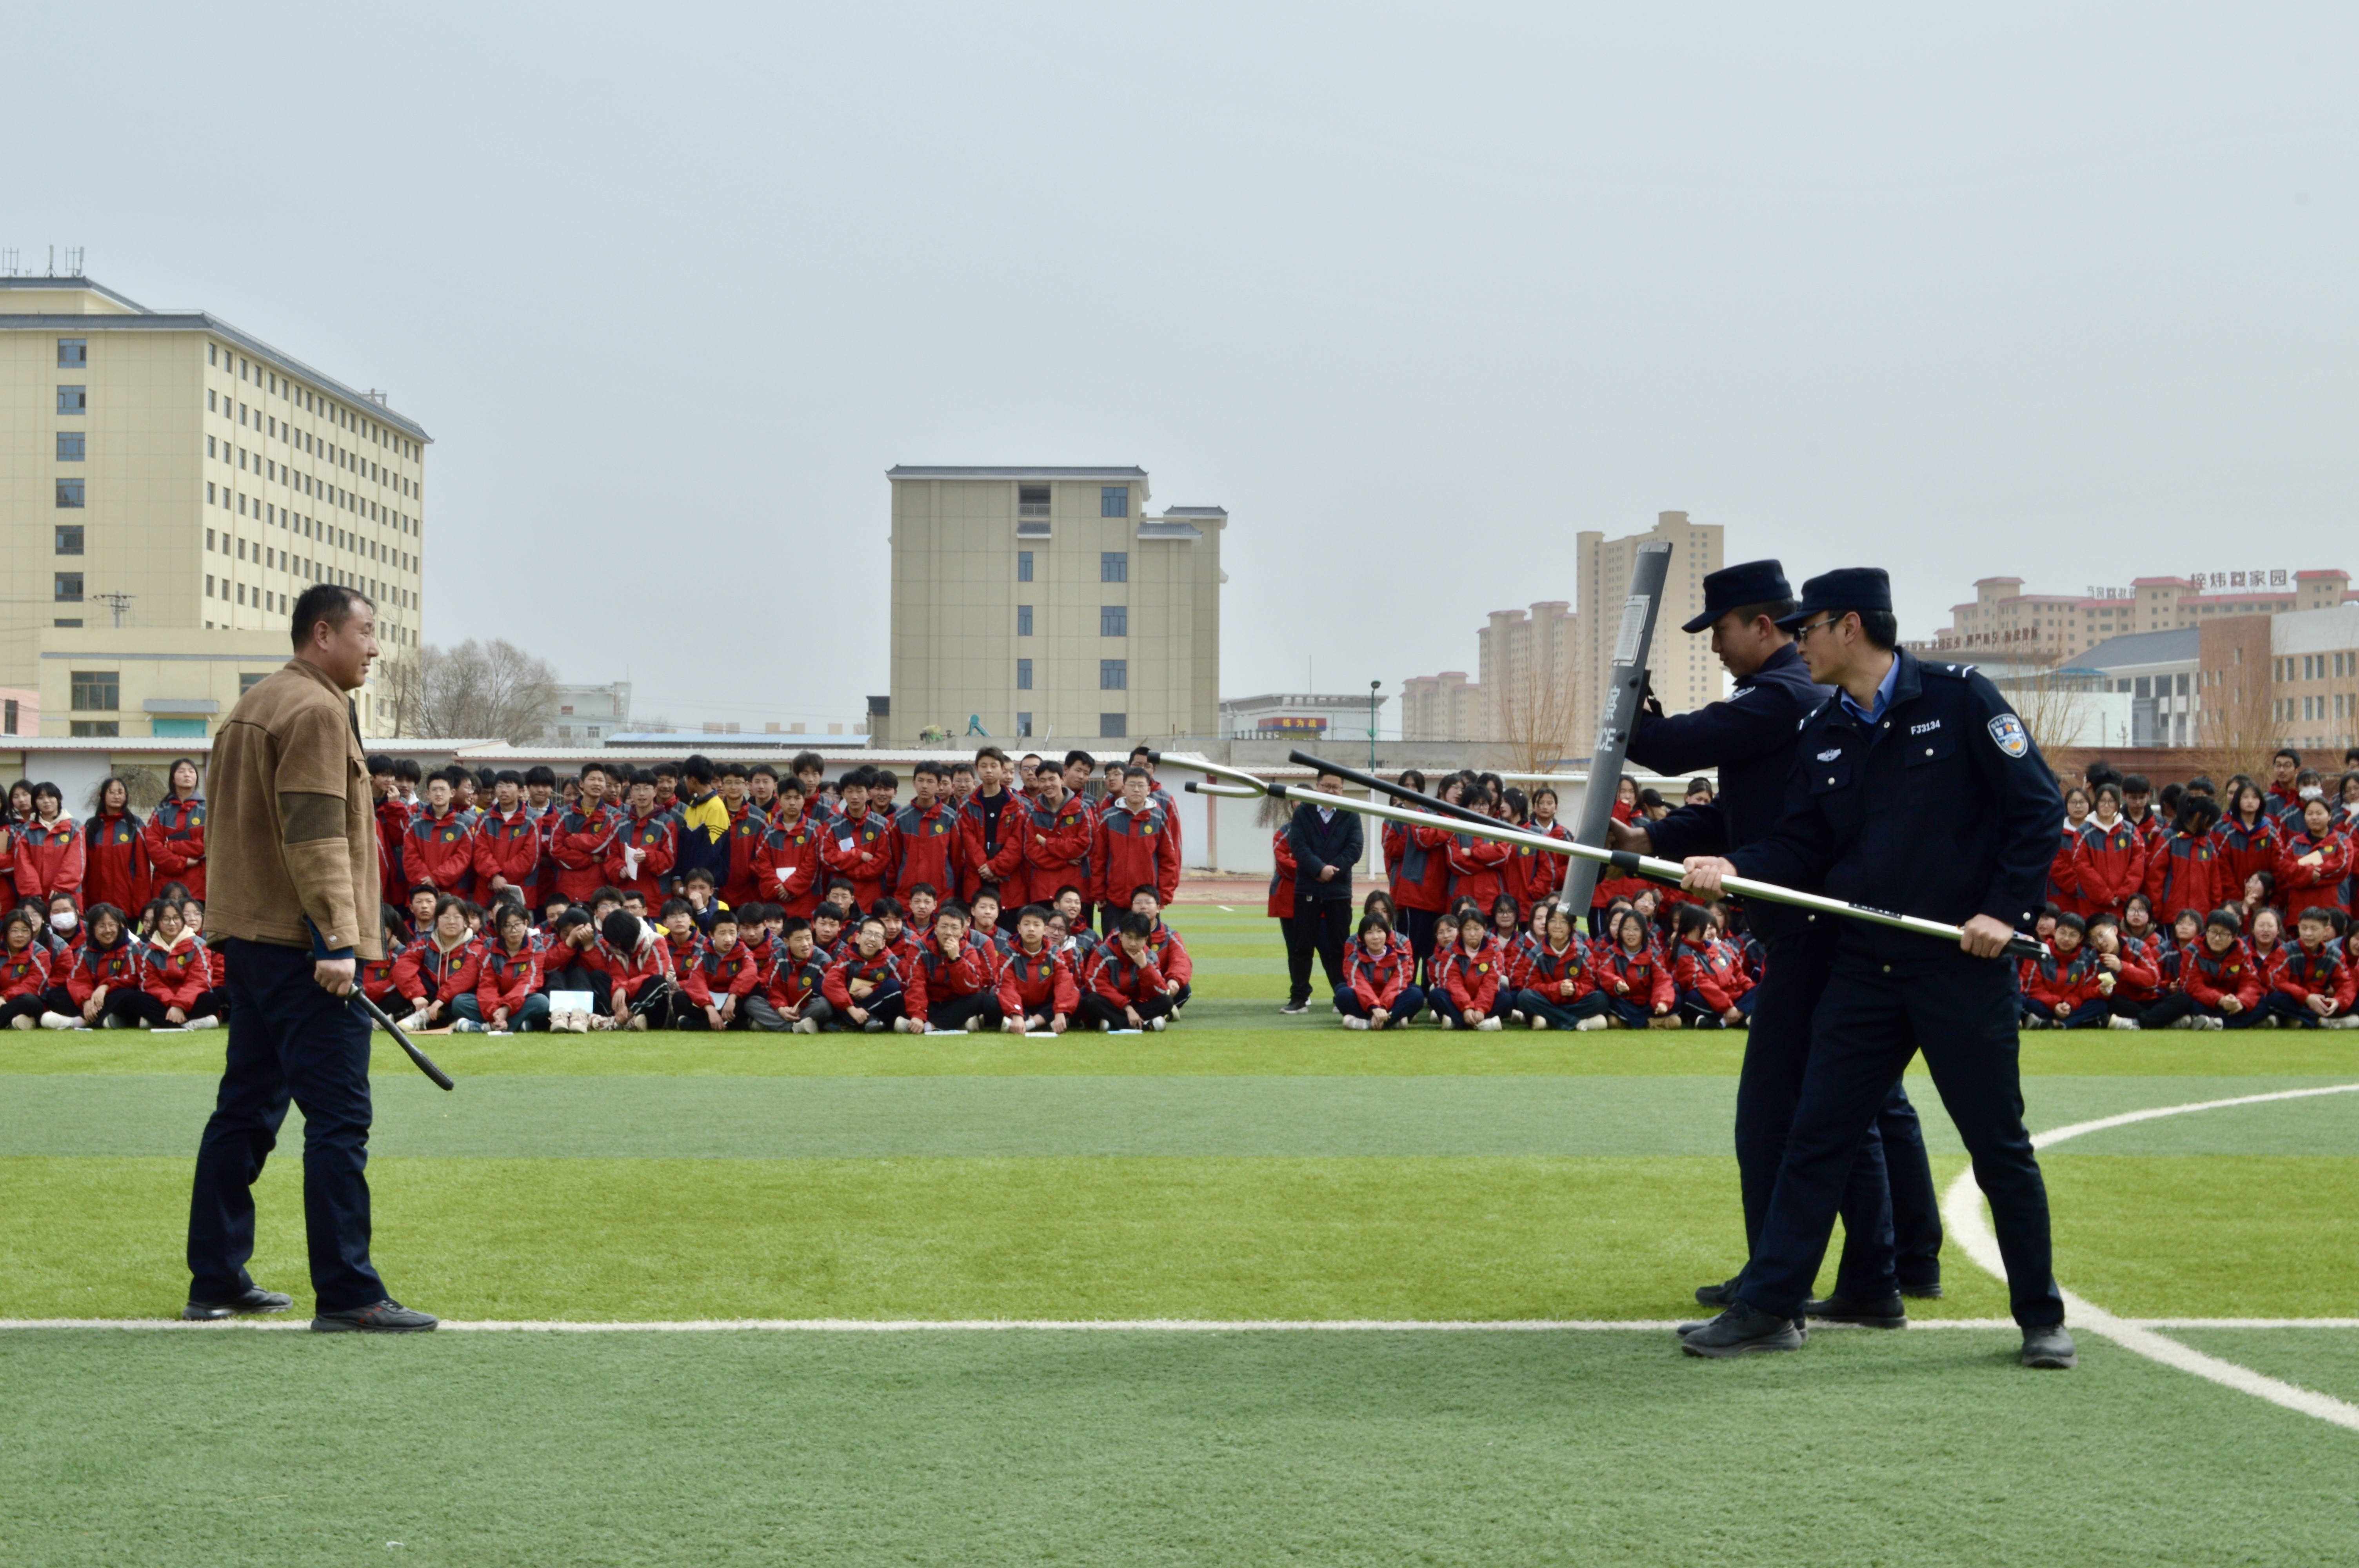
(1317, 844)
(1945, 809)
(1749, 736)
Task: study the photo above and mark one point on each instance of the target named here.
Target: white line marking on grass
(1225, 909)
(972, 1325)
(1961, 1209)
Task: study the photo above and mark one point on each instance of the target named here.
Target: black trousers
(1417, 925)
(1097, 1010)
(1323, 927)
(287, 1040)
(960, 1012)
(1961, 1012)
(1891, 1213)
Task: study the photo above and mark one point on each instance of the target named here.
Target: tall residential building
(1686, 674)
(1045, 604)
(2049, 627)
(171, 484)
(1540, 675)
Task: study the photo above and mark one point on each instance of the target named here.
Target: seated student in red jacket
(954, 984)
(1379, 988)
(438, 969)
(794, 990)
(2313, 984)
(2069, 989)
(24, 972)
(2137, 979)
(864, 989)
(508, 978)
(1714, 991)
(375, 975)
(1470, 989)
(177, 984)
(640, 983)
(2310, 864)
(1559, 991)
(2219, 986)
(1636, 979)
(1123, 989)
(1170, 954)
(726, 975)
(1037, 988)
(102, 972)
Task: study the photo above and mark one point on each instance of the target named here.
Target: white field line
(974, 1325)
(1961, 1210)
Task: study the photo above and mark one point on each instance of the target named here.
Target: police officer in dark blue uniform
(1750, 738)
(1917, 790)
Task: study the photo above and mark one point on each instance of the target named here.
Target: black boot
(1888, 1312)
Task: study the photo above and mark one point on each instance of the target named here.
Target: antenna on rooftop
(73, 261)
(9, 262)
(118, 602)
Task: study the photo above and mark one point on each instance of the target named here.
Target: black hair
(620, 929)
(723, 916)
(1040, 911)
(927, 769)
(1880, 627)
(808, 762)
(1147, 888)
(992, 751)
(379, 762)
(957, 911)
(329, 601)
(1082, 757)
(887, 907)
(541, 774)
(698, 768)
(1692, 917)
(2317, 912)
(2068, 921)
(699, 874)
(675, 906)
(574, 915)
(2286, 751)
(408, 769)
(508, 775)
(1775, 609)
(1138, 926)
(1375, 923)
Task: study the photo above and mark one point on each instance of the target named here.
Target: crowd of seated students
(1008, 893)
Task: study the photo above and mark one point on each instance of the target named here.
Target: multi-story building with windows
(1047, 604)
(2048, 628)
(169, 484)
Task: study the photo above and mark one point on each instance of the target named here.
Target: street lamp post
(1372, 724)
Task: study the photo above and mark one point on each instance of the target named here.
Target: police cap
(1848, 587)
(1733, 588)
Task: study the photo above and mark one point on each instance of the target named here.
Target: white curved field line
(1961, 1210)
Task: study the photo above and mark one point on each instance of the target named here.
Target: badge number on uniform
(2008, 732)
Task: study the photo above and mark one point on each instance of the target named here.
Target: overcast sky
(1417, 293)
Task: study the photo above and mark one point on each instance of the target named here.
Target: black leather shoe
(1885, 1313)
(1741, 1331)
(1927, 1292)
(384, 1317)
(1719, 1295)
(1684, 1329)
(256, 1299)
(2050, 1348)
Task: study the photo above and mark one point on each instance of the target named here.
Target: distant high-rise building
(1047, 604)
(1685, 672)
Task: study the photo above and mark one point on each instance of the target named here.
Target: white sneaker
(2348, 1020)
(2118, 1022)
(23, 1021)
(1157, 1024)
(1538, 1021)
(1444, 1020)
(204, 1022)
(1596, 1022)
(415, 1021)
(60, 1020)
(805, 1026)
(1489, 1023)
(1353, 1022)
(1007, 1026)
(2211, 1022)
(638, 1021)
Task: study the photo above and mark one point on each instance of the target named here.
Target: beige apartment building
(1050, 605)
(169, 485)
(2050, 628)
(1541, 674)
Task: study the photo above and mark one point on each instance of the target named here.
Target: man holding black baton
(291, 835)
(1749, 736)
(1918, 790)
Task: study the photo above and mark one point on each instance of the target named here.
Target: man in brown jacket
(292, 840)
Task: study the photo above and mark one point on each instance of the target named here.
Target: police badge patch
(2008, 732)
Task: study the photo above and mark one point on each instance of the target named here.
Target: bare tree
(2236, 729)
(1536, 722)
(494, 691)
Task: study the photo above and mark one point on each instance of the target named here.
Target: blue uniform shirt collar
(1883, 695)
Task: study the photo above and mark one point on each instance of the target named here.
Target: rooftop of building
(1346, 699)
(138, 318)
(906, 470)
(2180, 645)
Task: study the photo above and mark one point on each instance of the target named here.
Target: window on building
(1024, 621)
(69, 493)
(72, 352)
(70, 446)
(74, 400)
(1114, 675)
(94, 691)
(1024, 727)
(1031, 501)
(1023, 565)
(1114, 621)
(1112, 725)
(1113, 500)
(1113, 566)
(67, 620)
(70, 538)
(9, 718)
(68, 589)
(1024, 675)
(95, 727)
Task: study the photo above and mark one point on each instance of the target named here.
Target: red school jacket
(996, 857)
(1473, 979)
(1644, 972)
(1114, 977)
(655, 838)
(737, 972)
(49, 859)
(2207, 975)
(2243, 850)
(439, 852)
(1033, 985)
(2299, 886)
(503, 979)
(508, 847)
(178, 973)
(426, 968)
(2109, 866)
(1424, 879)
(1134, 849)
(2064, 874)
(1548, 971)
(788, 869)
(2184, 873)
(743, 884)
(1535, 874)
(934, 979)
(23, 971)
(1057, 850)
(114, 968)
(578, 843)
(176, 843)
(1477, 870)
(116, 871)
(1281, 881)
(926, 842)
(1712, 972)
(1377, 980)
(860, 851)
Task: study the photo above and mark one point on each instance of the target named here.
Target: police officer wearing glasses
(1917, 790)
(1892, 1224)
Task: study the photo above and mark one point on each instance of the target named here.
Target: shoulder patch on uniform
(2012, 738)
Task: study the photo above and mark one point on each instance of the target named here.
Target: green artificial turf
(486, 1451)
(2325, 1360)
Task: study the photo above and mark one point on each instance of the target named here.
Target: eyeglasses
(1808, 627)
